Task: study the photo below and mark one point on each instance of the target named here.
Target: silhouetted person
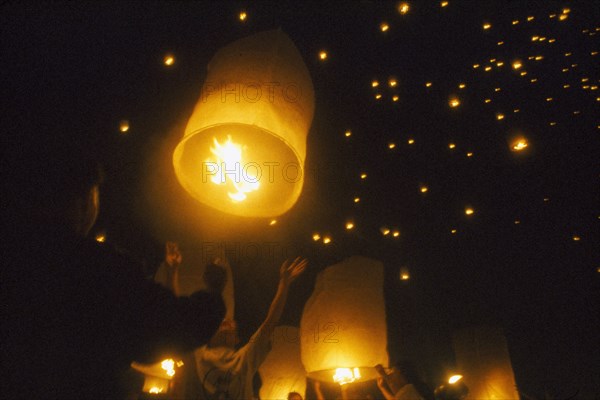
(227, 373)
(77, 312)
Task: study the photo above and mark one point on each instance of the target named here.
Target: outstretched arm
(288, 272)
(173, 261)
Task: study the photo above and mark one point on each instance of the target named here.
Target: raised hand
(172, 254)
(290, 271)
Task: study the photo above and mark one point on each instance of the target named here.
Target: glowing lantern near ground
(244, 146)
(483, 359)
(282, 371)
(158, 376)
(343, 325)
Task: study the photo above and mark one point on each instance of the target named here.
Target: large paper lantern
(344, 333)
(244, 146)
(482, 358)
(282, 371)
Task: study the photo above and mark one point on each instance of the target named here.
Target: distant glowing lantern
(519, 144)
(391, 146)
(451, 146)
(273, 222)
(348, 133)
(349, 225)
(243, 16)
(453, 231)
(322, 55)
(499, 116)
(462, 86)
(316, 236)
(517, 64)
(384, 231)
(377, 96)
(403, 8)
(384, 26)
(469, 154)
(374, 84)
(487, 26)
(357, 199)
(395, 98)
(411, 141)
(443, 3)
(404, 274)
(341, 318)
(424, 189)
(392, 82)
(396, 234)
(100, 237)
(469, 211)
(169, 60)
(454, 102)
(482, 358)
(282, 371)
(363, 176)
(326, 239)
(428, 84)
(244, 146)
(124, 126)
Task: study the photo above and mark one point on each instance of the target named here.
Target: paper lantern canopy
(344, 333)
(244, 146)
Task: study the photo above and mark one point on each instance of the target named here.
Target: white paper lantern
(483, 360)
(244, 146)
(282, 371)
(343, 324)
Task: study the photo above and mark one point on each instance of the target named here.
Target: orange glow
(348, 133)
(243, 16)
(451, 146)
(169, 60)
(100, 237)
(363, 176)
(344, 376)
(384, 26)
(392, 82)
(517, 64)
(411, 141)
(443, 3)
(403, 8)
(499, 116)
(424, 189)
(316, 236)
(487, 26)
(462, 86)
(349, 225)
(404, 274)
(326, 239)
(357, 199)
(395, 98)
(519, 144)
(428, 84)
(469, 211)
(454, 378)
(396, 234)
(392, 146)
(169, 366)
(454, 102)
(384, 231)
(322, 55)
(228, 157)
(124, 126)
(273, 222)
(374, 83)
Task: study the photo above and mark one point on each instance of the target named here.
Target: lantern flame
(454, 378)
(229, 158)
(344, 376)
(169, 366)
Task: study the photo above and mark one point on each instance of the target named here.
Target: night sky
(526, 259)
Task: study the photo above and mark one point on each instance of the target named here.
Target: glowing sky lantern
(343, 325)
(244, 146)
(482, 358)
(519, 144)
(124, 126)
(282, 371)
(454, 102)
(403, 8)
(169, 60)
(322, 55)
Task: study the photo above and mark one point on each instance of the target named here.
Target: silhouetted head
(294, 396)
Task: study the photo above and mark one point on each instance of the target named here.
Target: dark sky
(527, 259)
